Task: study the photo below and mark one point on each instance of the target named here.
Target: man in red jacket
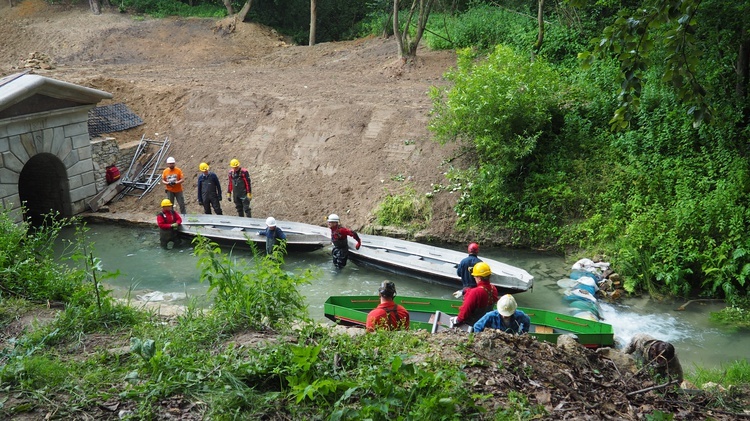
(479, 300)
(169, 222)
(340, 243)
(388, 315)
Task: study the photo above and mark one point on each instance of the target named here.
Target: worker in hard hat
(507, 318)
(274, 235)
(464, 270)
(209, 190)
(172, 179)
(240, 189)
(388, 315)
(340, 243)
(479, 300)
(169, 222)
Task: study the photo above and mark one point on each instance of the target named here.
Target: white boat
(431, 264)
(236, 230)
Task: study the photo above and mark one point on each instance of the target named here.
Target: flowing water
(147, 270)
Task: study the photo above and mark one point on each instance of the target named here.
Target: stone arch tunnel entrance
(43, 188)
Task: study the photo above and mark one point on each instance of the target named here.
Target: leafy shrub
(255, 294)
(408, 209)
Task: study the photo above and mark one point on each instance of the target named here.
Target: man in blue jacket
(506, 318)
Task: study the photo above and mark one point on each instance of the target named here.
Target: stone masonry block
(77, 129)
(11, 162)
(22, 147)
(4, 144)
(8, 176)
(58, 140)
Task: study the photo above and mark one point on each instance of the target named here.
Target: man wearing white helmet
(172, 179)
(273, 234)
(507, 318)
(340, 244)
(209, 190)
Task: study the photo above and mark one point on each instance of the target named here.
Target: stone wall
(106, 152)
(62, 133)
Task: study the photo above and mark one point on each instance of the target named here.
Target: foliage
(406, 210)
(27, 267)
(737, 315)
(164, 8)
(735, 374)
(256, 294)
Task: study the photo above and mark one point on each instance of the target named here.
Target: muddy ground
(329, 128)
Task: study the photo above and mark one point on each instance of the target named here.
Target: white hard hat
(333, 218)
(271, 221)
(170, 160)
(506, 305)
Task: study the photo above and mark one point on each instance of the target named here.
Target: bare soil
(329, 128)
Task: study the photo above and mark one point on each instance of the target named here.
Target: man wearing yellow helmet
(478, 300)
(169, 222)
(209, 190)
(240, 188)
(507, 318)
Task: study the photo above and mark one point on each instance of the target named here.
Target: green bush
(408, 210)
(257, 294)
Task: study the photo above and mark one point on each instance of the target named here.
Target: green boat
(432, 314)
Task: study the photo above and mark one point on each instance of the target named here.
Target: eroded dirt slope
(329, 128)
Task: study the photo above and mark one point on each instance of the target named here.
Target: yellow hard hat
(166, 202)
(203, 166)
(481, 270)
(234, 163)
(506, 305)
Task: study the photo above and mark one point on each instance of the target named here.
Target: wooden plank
(104, 196)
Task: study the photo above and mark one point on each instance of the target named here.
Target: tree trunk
(540, 24)
(228, 5)
(407, 45)
(244, 11)
(313, 20)
(96, 6)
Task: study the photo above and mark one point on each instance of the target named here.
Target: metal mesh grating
(112, 118)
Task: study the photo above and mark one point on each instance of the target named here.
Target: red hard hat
(473, 248)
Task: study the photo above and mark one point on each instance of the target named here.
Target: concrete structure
(45, 148)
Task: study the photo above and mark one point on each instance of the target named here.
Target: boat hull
(545, 325)
(431, 264)
(238, 231)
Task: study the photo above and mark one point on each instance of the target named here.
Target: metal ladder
(144, 176)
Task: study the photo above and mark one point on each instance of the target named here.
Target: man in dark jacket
(464, 270)
(209, 190)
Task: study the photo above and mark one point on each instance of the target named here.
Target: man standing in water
(169, 222)
(340, 244)
(464, 270)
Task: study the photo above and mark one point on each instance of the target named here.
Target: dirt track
(329, 128)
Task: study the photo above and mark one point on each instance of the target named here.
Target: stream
(148, 271)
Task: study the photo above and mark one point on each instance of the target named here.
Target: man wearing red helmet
(464, 270)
